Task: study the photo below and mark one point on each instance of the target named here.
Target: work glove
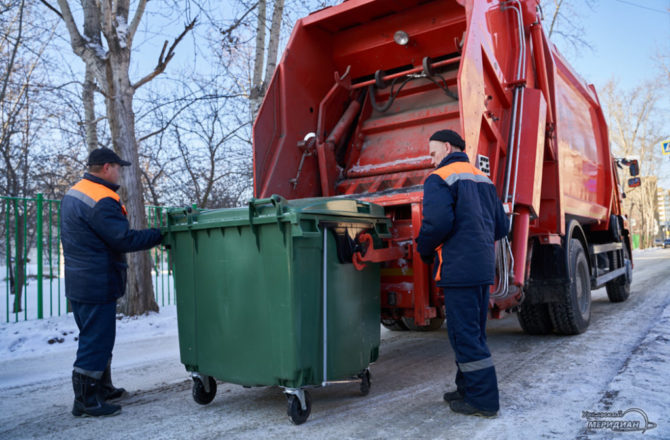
(164, 238)
(428, 259)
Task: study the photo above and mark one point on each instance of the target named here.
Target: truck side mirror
(634, 167)
(634, 182)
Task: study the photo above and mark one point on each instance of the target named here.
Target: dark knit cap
(449, 136)
(101, 156)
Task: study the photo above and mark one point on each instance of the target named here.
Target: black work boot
(88, 400)
(462, 407)
(109, 391)
(452, 395)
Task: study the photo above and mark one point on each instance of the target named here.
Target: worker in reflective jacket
(95, 234)
(462, 218)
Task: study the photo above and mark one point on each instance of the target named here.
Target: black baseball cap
(449, 136)
(101, 156)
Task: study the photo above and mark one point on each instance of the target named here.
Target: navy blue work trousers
(97, 331)
(467, 309)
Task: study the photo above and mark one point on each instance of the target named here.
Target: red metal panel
(371, 47)
(529, 184)
(583, 170)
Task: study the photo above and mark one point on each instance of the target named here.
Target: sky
(626, 36)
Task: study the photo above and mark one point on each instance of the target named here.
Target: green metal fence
(163, 282)
(31, 253)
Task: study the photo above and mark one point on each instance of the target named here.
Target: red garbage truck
(362, 86)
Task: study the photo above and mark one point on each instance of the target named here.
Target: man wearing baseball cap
(96, 234)
(462, 218)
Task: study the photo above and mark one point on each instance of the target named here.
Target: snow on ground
(551, 386)
(642, 383)
(44, 336)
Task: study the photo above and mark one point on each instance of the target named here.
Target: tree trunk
(273, 46)
(19, 272)
(90, 122)
(139, 297)
(257, 87)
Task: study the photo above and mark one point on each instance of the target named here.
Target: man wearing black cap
(462, 218)
(95, 235)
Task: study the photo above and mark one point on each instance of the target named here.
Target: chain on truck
(361, 87)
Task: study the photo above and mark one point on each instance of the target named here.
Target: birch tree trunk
(88, 97)
(256, 91)
(259, 81)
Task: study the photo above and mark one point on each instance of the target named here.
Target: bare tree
(265, 52)
(211, 154)
(254, 37)
(563, 22)
(21, 118)
(108, 64)
(634, 133)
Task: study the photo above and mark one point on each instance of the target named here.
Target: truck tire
(395, 325)
(571, 314)
(618, 290)
(534, 319)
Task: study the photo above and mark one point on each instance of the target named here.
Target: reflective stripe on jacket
(462, 218)
(91, 192)
(95, 234)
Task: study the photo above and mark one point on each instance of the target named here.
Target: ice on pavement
(546, 382)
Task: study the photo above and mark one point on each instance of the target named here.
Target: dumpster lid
(276, 208)
(335, 206)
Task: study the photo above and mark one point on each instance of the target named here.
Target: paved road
(546, 383)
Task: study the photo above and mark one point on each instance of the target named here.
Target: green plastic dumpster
(267, 295)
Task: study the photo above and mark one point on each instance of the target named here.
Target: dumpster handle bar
(325, 306)
(275, 200)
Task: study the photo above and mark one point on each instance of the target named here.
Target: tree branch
(76, 40)
(134, 24)
(180, 110)
(164, 59)
(238, 22)
(90, 53)
(10, 66)
(56, 11)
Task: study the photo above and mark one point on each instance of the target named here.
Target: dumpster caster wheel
(365, 382)
(200, 393)
(295, 412)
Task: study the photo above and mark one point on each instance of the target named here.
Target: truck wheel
(618, 290)
(535, 319)
(199, 394)
(434, 324)
(572, 313)
(395, 325)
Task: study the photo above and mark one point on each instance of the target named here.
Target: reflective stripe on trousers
(466, 309)
(481, 364)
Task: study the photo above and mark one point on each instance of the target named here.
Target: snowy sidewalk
(44, 350)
